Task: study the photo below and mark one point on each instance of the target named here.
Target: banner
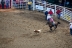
(39, 7)
(48, 9)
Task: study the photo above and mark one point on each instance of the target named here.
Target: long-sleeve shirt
(29, 3)
(46, 13)
(50, 12)
(58, 11)
(7, 1)
(48, 17)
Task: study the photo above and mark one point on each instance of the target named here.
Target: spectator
(50, 12)
(7, 3)
(46, 13)
(58, 13)
(2, 3)
(29, 5)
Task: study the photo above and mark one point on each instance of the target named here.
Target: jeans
(45, 17)
(29, 7)
(58, 16)
(7, 5)
(50, 14)
(71, 31)
(2, 6)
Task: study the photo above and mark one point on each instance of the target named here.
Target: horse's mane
(57, 22)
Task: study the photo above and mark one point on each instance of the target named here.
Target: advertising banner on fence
(39, 7)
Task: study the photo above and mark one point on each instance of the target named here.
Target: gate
(19, 4)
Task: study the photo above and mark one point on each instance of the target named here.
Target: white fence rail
(66, 14)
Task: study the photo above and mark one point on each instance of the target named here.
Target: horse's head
(58, 23)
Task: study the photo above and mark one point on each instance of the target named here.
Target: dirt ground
(16, 31)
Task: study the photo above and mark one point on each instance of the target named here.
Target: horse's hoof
(54, 30)
(50, 31)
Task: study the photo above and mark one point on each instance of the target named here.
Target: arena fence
(66, 13)
(19, 5)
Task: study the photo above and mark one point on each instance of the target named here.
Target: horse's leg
(50, 28)
(55, 27)
(47, 22)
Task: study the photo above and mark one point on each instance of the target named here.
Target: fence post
(33, 5)
(71, 15)
(44, 2)
(11, 3)
(20, 5)
(55, 10)
(64, 12)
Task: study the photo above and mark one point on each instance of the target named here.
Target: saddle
(51, 23)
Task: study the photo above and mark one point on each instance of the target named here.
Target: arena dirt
(16, 31)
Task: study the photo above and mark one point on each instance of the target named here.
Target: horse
(51, 24)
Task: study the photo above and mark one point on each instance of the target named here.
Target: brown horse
(52, 25)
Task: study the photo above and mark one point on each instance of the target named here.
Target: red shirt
(50, 12)
(58, 11)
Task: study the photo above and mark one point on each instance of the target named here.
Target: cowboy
(48, 17)
(58, 13)
(52, 21)
(29, 5)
